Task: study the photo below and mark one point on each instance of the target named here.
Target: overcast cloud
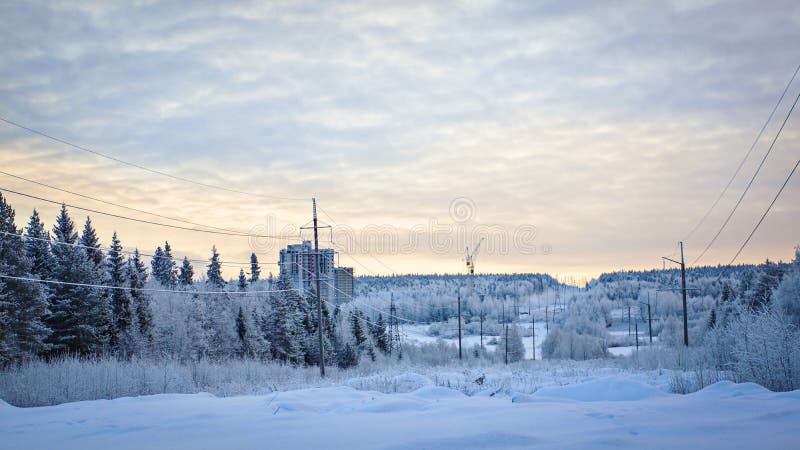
(609, 126)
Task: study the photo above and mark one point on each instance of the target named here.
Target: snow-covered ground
(624, 411)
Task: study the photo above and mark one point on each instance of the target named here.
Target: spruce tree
(357, 328)
(285, 324)
(242, 280)
(37, 247)
(186, 274)
(241, 331)
(137, 277)
(91, 244)
(157, 265)
(255, 269)
(169, 270)
(117, 276)
(23, 304)
(380, 336)
(214, 272)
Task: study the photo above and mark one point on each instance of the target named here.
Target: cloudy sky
(579, 137)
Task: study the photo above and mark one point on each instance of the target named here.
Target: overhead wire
(176, 219)
(100, 286)
(133, 219)
(750, 183)
(746, 156)
(128, 252)
(141, 167)
(763, 216)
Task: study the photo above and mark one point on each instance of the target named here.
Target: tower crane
(471, 266)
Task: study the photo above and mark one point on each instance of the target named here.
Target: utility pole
(319, 296)
(683, 294)
(458, 295)
(546, 321)
(506, 328)
(649, 319)
(481, 321)
(629, 320)
(637, 335)
(533, 337)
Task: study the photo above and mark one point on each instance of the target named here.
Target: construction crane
(471, 266)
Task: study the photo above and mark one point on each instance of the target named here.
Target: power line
(115, 204)
(66, 283)
(157, 172)
(226, 233)
(368, 254)
(128, 252)
(747, 155)
(744, 244)
(747, 188)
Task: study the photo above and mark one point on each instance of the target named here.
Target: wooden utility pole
(629, 320)
(649, 319)
(481, 321)
(506, 328)
(683, 295)
(320, 325)
(682, 263)
(533, 337)
(458, 295)
(637, 335)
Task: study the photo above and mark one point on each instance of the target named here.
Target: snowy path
(615, 412)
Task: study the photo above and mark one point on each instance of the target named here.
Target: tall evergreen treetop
(64, 229)
(214, 272)
(91, 244)
(187, 272)
(255, 269)
(242, 280)
(37, 247)
(156, 266)
(169, 270)
(116, 276)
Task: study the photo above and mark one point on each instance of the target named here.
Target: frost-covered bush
(583, 335)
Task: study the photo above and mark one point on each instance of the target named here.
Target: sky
(576, 137)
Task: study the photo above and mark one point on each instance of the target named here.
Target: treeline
(61, 293)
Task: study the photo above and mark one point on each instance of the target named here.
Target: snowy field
(623, 411)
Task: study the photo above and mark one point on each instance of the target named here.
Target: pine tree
(137, 277)
(255, 270)
(71, 328)
(242, 280)
(285, 324)
(23, 304)
(516, 348)
(117, 276)
(91, 245)
(241, 331)
(37, 247)
(712, 319)
(214, 272)
(357, 328)
(169, 270)
(187, 272)
(380, 336)
(156, 265)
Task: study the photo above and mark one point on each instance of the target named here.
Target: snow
(629, 411)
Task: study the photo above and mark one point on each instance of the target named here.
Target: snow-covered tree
(137, 277)
(255, 269)
(242, 284)
(186, 274)
(516, 349)
(214, 272)
(37, 247)
(117, 277)
(79, 315)
(22, 303)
